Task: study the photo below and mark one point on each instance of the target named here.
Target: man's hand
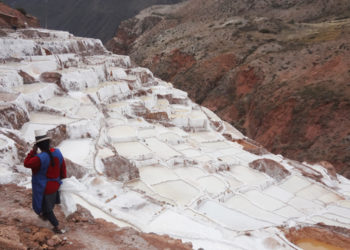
(35, 148)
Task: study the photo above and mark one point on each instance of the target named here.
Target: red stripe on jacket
(33, 162)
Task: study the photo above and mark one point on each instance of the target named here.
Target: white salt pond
(98, 213)
(123, 133)
(156, 174)
(87, 112)
(211, 184)
(133, 150)
(294, 183)
(179, 191)
(245, 206)
(312, 192)
(247, 175)
(63, 103)
(288, 212)
(45, 118)
(189, 173)
(163, 150)
(263, 201)
(32, 88)
(230, 218)
(80, 151)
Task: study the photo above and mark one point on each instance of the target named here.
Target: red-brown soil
(278, 71)
(21, 228)
(335, 236)
(11, 18)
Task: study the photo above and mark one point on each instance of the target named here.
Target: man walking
(48, 168)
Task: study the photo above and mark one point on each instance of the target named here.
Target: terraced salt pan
(337, 218)
(312, 192)
(263, 201)
(179, 191)
(123, 134)
(156, 174)
(248, 176)
(80, 151)
(321, 219)
(31, 88)
(211, 184)
(87, 112)
(163, 150)
(206, 137)
(191, 153)
(197, 119)
(304, 205)
(49, 119)
(122, 107)
(98, 213)
(63, 103)
(133, 150)
(330, 197)
(171, 138)
(278, 193)
(245, 206)
(139, 185)
(294, 184)
(230, 218)
(232, 181)
(289, 212)
(189, 173)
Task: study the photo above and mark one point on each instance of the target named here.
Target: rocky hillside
(276, 70)
(89, 18)
(12, 18)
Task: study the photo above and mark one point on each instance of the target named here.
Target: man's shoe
(57, 230)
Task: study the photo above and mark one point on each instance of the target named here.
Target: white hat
(40, 135)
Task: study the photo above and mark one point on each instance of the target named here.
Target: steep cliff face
(277, 70)
(11, 18)
(88, 18)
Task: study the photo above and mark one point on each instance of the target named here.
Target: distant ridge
(88, 18)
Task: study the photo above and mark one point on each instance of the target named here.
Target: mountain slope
(276, 70)
(89, 18)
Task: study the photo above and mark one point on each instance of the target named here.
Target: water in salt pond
(311, 244)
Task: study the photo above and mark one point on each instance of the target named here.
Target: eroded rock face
(271, 168)
(27, 79)
(120, 168)
(240, 63)
(12, 116)
(11, 18)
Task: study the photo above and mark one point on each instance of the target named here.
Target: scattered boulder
(58, 134)
(12, 116)
(52, 77)
(329, 167)
(27, 79)
(120, 168)
(271, 168)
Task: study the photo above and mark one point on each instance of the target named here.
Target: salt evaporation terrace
(192, 182)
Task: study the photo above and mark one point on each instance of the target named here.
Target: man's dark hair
(45, 147)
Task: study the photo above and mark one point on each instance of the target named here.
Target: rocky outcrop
(271, 168)
(12, 116)
(120, 168)
(242, 60)
(11, 18)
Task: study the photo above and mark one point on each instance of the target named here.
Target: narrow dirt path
(20, 228)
